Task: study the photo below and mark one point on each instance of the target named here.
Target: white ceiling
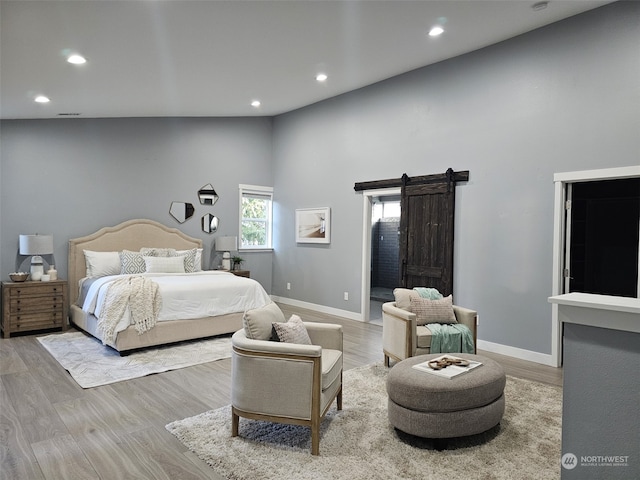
(211, 58)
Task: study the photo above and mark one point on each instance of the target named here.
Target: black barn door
(426, 234)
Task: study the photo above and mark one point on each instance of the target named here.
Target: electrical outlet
(346, 295)
(288, 286)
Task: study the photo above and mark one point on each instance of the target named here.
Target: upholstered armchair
(403, 337)
(284, 382)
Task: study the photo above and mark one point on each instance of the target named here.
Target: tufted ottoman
(430, 406)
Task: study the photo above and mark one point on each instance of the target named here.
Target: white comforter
(188, 295)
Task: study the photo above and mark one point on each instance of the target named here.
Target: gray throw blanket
(140, 295)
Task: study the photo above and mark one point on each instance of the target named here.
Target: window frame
(261, 191)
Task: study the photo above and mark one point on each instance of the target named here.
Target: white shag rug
(358, 443)
(92, 364)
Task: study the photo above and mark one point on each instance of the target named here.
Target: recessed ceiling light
(42, 99)
(436, 31)
(76, 59)
(255, 103)
(321, 77)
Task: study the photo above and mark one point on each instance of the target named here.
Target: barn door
(426, 232)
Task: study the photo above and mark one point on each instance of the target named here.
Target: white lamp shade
(36, 244)
(226, 244)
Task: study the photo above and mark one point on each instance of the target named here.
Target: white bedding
(188, 295)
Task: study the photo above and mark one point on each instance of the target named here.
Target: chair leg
(315, 437)
(386, 360)
(235, 422)
(339, 398)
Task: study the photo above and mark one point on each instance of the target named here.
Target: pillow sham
(433, 311)
(189, 259)
(157, 252)
(101, 264)
(197, 263)
(293, 331)
(164, 264)
(258, 321)
(131, 263)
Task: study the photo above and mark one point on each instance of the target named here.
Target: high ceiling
(212, 58)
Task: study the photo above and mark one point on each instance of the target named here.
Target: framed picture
(313, 225)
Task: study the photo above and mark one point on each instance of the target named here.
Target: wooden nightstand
(241, 273)
(29, 306)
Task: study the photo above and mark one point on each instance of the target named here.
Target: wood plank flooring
(50, 428)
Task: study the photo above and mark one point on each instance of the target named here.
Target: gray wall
(565, 97)
(70, 177)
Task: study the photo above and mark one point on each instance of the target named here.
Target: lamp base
(226, 261)
(37, 269)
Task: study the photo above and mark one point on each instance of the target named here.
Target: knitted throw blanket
(138, 293)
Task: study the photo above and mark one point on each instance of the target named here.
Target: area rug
(358, 443)
(92, 364)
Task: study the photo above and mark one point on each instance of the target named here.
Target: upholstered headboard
(129, 235)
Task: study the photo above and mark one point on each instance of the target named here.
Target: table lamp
(226, 245)
(36, 246)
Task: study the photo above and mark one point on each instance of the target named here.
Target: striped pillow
(433, 311)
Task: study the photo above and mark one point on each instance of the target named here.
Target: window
(255, 217)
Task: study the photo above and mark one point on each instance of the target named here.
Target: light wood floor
(50, 428)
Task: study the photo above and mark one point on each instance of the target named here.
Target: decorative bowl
(18, 276)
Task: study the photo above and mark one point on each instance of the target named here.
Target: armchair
(287, 382)
(403, 338)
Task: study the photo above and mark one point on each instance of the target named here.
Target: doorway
(385, 271)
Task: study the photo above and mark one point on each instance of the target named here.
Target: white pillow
(164, 264)
(197, 263)
(101, 264)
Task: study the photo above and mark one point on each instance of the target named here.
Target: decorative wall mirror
(209, 223)
(181, 211)
(207, 195)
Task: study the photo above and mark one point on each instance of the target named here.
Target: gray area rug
(359, 444)
(92, 364)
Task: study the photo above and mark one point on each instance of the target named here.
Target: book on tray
(447, 366)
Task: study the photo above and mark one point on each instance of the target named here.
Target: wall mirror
(181, 211)
(209, 223)
(207, 195)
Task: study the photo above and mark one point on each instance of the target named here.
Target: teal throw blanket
(430, 293)
(450, 338)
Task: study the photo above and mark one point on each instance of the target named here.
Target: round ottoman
(431, 406)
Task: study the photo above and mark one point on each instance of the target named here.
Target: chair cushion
(258, 322)
(293, 331)
(403, 297)
(433, 311)
(423, 337)
(331, 366)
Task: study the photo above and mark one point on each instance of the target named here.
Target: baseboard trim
(522, 354)
(318, 308)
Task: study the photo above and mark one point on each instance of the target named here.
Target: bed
(134, 235)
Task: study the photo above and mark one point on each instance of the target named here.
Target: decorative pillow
(157, 252)
(293, 331)
(189, 258)
(257, 322)
(101, 264)
(132, 263)
(164, 264)
(433, 311)
(403, 297)
(197, 263)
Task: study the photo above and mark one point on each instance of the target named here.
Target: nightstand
(29, 306)
(241, 273)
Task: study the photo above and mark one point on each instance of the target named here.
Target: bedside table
(29, 306)
(241, 273)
